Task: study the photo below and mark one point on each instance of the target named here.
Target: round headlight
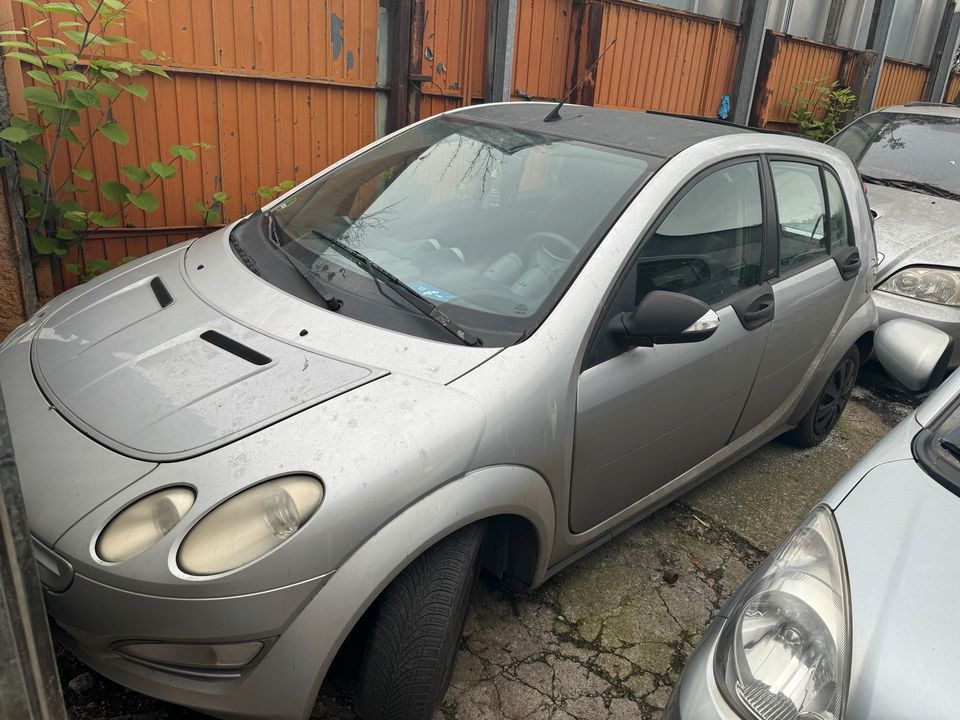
(934, 285)
(143, 523)
(249, 525)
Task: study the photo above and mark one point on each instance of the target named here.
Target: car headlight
(249, 525)
(784, 652)
(932, 284)
(142, 524)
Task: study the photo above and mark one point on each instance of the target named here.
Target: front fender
(328, 618)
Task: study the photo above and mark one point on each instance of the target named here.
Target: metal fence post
(29, 683)
(501, 40)
(867, 81)
(941, 62)
(753, 18)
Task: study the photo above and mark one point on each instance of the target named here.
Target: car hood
(914, 229)
(142, 364)
(900, 535)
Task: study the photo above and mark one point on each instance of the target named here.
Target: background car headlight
(249, 525)
(784, 652)
(143, 523)
(936, 285)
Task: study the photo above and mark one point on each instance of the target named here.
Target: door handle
(757, 313)
(848, 262)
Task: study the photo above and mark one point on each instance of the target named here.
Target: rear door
(816, 267)
(648, 414)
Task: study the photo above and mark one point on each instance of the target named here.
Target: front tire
(823, 415)
(416, 629)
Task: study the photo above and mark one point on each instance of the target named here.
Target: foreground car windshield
(488, 223)
(920, 152)
(937, 449)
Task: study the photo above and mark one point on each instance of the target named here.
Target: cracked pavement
(606, 638)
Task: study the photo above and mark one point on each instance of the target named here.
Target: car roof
(922, 108)
(658, 134)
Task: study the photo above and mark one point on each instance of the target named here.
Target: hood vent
(235, 348)
(160, 291)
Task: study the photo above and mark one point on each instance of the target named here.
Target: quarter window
(801, 213)
(710, 245)
(839, 227)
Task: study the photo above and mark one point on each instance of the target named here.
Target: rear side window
(801, 213)
(839, 229)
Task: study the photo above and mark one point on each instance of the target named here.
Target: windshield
(937, 448)
(485, 222)
(919, 150)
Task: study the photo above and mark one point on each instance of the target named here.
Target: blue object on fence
(724, 110)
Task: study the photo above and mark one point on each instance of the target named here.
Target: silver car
(854, 616)
(909, 156)
(491, 339)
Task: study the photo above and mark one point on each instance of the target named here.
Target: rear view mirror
(913, 353)
(666, 317)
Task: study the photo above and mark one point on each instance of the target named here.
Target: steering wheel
(541, 238)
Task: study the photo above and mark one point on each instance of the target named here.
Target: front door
(646, 415)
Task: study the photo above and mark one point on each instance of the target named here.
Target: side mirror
(666, 317)
(913, 353)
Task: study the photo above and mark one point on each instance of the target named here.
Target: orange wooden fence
(953, 90)
(794, 68)
(662, 59)
(900, 82)
(542, 55)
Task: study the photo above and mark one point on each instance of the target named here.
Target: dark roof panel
(649, 133)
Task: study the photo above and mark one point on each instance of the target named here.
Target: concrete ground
(606, 638)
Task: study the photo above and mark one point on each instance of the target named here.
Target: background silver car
(909, 156)
(487, 339)
(853, 617)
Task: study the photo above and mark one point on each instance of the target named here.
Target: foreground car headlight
(143, 523)
(784, 651)
(249, 525)
(936, 285)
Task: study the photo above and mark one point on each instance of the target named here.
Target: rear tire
(823, 415)
(416, 629)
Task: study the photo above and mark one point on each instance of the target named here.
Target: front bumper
(696, 695)
(93, 620)
(944, 317)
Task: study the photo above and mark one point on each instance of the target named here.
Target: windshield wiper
(413, 298)
(951, 443)
(331, 302)
(914, 185)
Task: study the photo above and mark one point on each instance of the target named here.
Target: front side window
(710, 244)
(912, 151)
(490, 223)
(801, 213)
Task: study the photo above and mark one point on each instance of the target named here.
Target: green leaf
(114, 133)
(162, 170)
(83, 173)
(72, 268)
(265, 192)
(85, 98)
(31, 186)
(12, 32)
(61, 7)
(286, 185)
(199, 207)
(115, 191)
(54, 40)
(146, 201)
(42, 96)
(148, 54)
(29, 4)
(71, 137)
(184, 152)
(77, 36)
(32, 59)
(138, 175)
(115, 5)
(43, 244)
(154, 70)
(139, 90)
(211, 216)
(14, 134)
(98, 218)
(109, 91)
(32, 153)
(75, 216)
(74, 76)
(97, 266)
(16, 44)
(40, 76)
(221, 196)
(4, 161)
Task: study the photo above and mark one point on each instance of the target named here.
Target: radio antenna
(554, 114)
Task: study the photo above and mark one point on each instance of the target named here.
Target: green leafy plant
(77, 72)
(270, 192)
(212, 210)
(819, 109)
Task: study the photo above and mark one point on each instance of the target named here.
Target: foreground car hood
(914, 229)
(145, 366)
(901, 536)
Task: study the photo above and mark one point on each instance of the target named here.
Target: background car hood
(145, 366)
(914, 229)
(901, 536)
